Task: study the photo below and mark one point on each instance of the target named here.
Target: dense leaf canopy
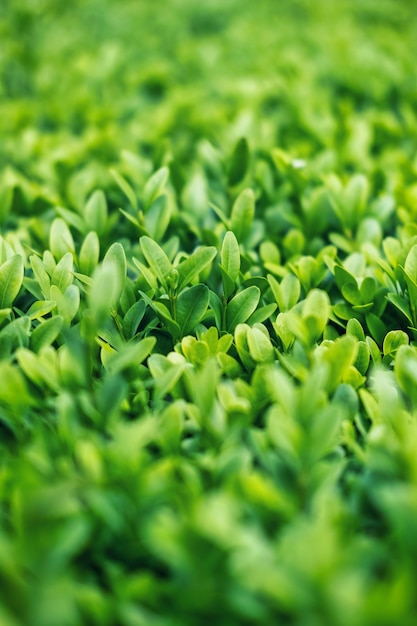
(208, 313)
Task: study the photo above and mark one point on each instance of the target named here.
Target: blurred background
(85, 79)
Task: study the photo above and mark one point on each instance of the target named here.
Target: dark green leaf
(192, 305)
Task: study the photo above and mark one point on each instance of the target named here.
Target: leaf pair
(191, 307)
(162, 268)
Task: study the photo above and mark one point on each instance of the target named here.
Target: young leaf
(192, 305)
(230, 255)
(60, 239)
(241, 307)
(67, 303)
(260, 346)
(11, 278)
(316, 312)
(89, 253)
(95, 212)
(393, 340)
(285, 293)
(63, 274)
(115, 256)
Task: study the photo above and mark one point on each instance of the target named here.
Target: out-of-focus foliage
(208, 318)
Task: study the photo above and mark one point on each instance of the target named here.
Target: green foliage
(208, 322)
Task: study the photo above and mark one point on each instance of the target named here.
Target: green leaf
(46, 333)
(89, 254)
(63, 274)
(262, 313)
(157, 217)
(126, 188)
(354, 327)
(13, 389)
(393, 340)
(192, 305)
(401, 304)
(410, 265)
(241, 307)
(132, 319)
(95, 212)
(40, 308)
(405, 368)
(11, 278)
(238, 162)
(147, 274)
(67, 303)
(156, 258)
(155, 185)
(285, 293)
(164, 314)
(60, 239)
(116, 257)
(260, 347)
(242, 215)
(104, 293)
(72, 219)
(41, 275)
(196, 263)
(316, 312)
(230, 256)
(339, 356)
(131, 355)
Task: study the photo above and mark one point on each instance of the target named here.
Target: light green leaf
(60, 239)
(63, 274)
(260, 346)
(116, 257)
(67, 303)
(89, 253)
(95, 212)
(131, 355)
(340, 355)
(405, 368)
(40, 308)
(230, 255)
(393, 340)
(285, 293)
(11, 278)
(316, 312)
